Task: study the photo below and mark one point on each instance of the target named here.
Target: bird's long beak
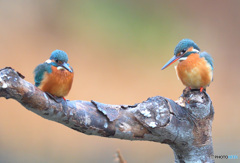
(171, 61)
(67, 67)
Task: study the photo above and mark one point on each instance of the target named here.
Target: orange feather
(195, 72)
(57, 83)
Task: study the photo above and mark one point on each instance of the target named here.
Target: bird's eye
(183, 51)
(56, 61)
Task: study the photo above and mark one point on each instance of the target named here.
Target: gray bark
(185, 125)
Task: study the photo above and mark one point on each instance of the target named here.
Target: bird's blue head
(184, 45)
(183, 49)
(59, 55)
(59, 59)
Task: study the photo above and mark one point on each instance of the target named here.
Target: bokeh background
(117, 49)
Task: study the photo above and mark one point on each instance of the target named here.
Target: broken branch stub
(185, 125)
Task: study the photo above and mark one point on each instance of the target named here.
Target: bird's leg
(55, 98)
(201, 89)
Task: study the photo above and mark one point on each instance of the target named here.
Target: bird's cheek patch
(182, 59)
(48, 61)
(60, 68)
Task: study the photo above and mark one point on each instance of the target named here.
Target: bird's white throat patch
(176, 72)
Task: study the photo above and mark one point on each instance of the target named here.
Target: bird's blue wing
(39, 72)
(208, 58)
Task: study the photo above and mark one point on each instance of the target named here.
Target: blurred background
(117, 50)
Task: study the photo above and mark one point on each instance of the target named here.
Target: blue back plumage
(39, 72)
(208, 58)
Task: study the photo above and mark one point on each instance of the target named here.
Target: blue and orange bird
(194, 69)
(55, 76)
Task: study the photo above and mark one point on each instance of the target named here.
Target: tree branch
(185, 125)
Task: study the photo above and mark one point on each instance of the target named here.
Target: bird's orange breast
(195, 72)
(57, 83)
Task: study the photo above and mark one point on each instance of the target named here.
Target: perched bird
(55, 76)
(194, 69)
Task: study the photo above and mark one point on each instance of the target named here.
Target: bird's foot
(200, 90)
(55, 98)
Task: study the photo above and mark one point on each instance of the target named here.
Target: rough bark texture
(185, 125)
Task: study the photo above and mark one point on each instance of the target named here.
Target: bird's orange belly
(195, 72)
(57, 83)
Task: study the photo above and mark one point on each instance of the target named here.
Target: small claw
(201, 89)
(55, 98)
(64, 98)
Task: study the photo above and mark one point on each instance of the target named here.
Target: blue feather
(39, 72)
(59, 55)
(185, 44)
(207, 57)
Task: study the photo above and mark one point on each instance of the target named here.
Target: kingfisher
(195, 68)
(55, 76)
